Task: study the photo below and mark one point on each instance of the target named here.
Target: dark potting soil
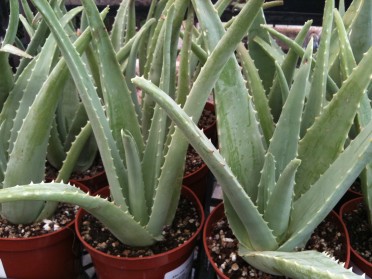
(224, 249)
(193, 160)
(97, 167)
(356, 186)
(63, 216)
(206, 119)
(185, 224)
(359, 231)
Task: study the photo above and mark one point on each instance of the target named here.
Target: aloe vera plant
(277, 191)
(31, 97)
(143, 155)
(260, 176)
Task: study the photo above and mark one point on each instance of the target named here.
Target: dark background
(298, 11)
(293, 12)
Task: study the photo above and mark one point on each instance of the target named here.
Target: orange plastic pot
(211, 131)
(172, 264)
(53, 255)
(198, 180)
(94, 182)
(364, 265)
(218, 213)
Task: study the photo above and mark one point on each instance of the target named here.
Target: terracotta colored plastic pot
(349, 195)
(55, 255)
(197, 182)
(218, 213)
(211, 131)
(172, 264)
(94, 182)
(364, 265)
(52, 255)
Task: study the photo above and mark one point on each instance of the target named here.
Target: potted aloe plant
(143, 161)
(30, 97)
(278, 189)
(144, 173)
(359, 209)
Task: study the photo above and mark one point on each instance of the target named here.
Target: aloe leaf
(3, 155)
(43, 63)
(123, 52)
(317, 95)
(288, 66)
(11, 32)
(10, 49)
(221, 5)
(265, 67)
(346, 56)
(119, 222)
(257, 91)
(153, 157)
(331, 85)
(267, 182)
(33, 47)
(183, 84)
(153, 72)
(236, 123)
(232, 80)
(67, 168)
(115, 93)
(97, 117)
(68, 109)
(124, 24)
(341, 7)
(11, 104)
(169, 182)
(284, 143)
(7, 80)
(279, 205)
(28, 28)
(27, 11)
(361, 40)
(301, 265)
(272, 52)
(30, 147)
(115, 89)
(130, 72)
(260, 236)
(73, 153)
(136, 188)
(282, 82)
(199, 53)
(56, 152)
(336, 117)
(364, 115)
(311, 208)
(348, 64)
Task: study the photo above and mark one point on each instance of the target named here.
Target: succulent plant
(142, 154)
(277, 190)
(31, 96)
(280, 178)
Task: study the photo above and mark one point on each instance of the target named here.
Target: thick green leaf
(300, 265)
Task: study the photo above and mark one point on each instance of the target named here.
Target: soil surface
(97, 167)
(359, 231)
(193, 160)
(224, 249)
(64, 215)
(185, 224)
